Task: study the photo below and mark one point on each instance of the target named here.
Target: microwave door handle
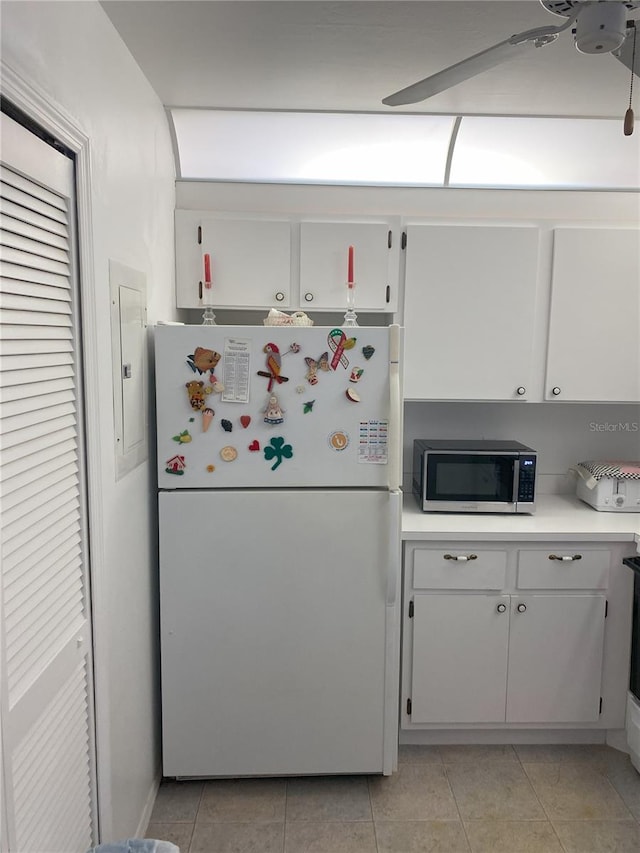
(516, 480)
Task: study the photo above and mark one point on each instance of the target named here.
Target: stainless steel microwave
(474, 476)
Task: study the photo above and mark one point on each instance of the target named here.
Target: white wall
(72, 54)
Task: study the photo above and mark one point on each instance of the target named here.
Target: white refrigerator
(279, 473)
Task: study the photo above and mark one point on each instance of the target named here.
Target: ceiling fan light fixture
(601, 27)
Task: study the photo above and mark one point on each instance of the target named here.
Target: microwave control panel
(527, 479)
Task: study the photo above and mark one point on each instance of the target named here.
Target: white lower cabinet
(530, 651)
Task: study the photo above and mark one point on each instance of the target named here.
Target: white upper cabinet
(324, 252)
(470, 298)
(594, 345)
(249, 261)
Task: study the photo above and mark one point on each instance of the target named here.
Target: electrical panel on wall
(129, 358)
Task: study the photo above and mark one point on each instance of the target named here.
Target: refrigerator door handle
(395, 411)
(395, 544)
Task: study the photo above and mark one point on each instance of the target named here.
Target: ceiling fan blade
(625, 52)
(476, 64)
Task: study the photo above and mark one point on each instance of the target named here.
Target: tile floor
(443, 799)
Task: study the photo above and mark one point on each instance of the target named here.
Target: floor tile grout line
(535, 793)
(455, 800)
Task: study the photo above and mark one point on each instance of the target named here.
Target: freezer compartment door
(275, 632)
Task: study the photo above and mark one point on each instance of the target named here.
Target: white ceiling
(307, 55)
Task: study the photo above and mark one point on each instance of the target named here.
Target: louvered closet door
(47, 717)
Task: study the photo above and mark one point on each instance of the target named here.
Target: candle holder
(350, 317)
(208, 317)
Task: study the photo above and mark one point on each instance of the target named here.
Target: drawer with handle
(458, 568)
(566, 567)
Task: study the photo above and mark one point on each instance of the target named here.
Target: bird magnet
(274, 363)
(203, 360)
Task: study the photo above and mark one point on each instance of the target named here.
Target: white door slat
(21, 423)
(25, 318)
(22, 558)
(36, 248)
(27, 434)
(20, 332)
(35, 361)
(30, 189)
(31, 475)
(31, 202)
(24, 302)
(28, 391)
(11, 225)
(8, 457)
(38, 276)
(31, 288)
(31, 261)
(40, 499)
(31, 217)
(25, 560)
(25, 377)
(10, 408)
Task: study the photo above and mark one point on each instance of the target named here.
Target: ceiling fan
(600, 27)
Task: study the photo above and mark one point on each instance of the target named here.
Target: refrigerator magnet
(195, 390)
(274, 362)
(245, 420)
(255, 445)
(273, 412)
(211, 469)
(314, 366)
(226, 425)
(338, 343)
(308, 407)
(228, 453)
(207, 417)
(352, 395)
(356, 374)
(368, 351)
(277, 450)
(175, 465)
(183, 437)
(203, 360)
(338, 440)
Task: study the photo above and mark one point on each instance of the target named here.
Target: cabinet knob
(308, 297)
(461, 558)
(501, 608)
(521, 391)
(279, 296)
(555, 391)
(521, 608)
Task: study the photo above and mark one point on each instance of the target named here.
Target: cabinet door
(324, 252)
(469, 306)
(555, 658)
(594, 347)
(459, 661)
(250, 262)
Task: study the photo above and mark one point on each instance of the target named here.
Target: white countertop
(557, 517)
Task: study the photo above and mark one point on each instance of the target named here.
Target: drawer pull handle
(566, 558)
(461, 558)
(521, 608)
(501, 608)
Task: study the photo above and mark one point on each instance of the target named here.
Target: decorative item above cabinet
(262, 262)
